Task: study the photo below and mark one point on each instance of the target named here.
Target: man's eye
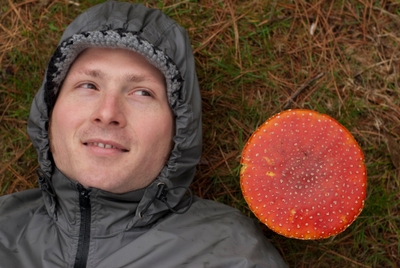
(142, 93)
(88, 86)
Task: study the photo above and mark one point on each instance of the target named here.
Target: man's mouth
(104, 145)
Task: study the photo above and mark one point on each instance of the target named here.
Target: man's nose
(109, 111)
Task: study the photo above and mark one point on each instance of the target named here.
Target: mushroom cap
(303, 175)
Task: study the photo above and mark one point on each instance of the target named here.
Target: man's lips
(106, 145)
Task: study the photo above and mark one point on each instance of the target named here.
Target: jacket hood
(167, 36)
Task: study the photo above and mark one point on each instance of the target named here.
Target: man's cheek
(50, 134)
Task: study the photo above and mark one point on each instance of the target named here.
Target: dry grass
(254, 59)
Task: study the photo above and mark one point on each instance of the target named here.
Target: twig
(18, 179)
(301, 89)
(5, 110)
(347, 259)
(236, 31)
(15, 159)
(18, 121)
(226, 25)
(340, 255)
(13, 7)
(374, 65)
(393, 16)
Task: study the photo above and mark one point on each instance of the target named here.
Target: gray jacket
(47, 227)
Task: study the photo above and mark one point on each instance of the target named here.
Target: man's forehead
(128, 77)
(87, 64)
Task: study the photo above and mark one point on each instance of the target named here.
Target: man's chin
(111, 180)
(100, 183)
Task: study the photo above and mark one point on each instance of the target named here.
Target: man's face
(112, 127)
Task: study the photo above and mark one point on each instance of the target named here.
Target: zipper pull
(85, 193)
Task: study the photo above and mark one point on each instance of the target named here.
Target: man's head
(122, 26)
(111, 126)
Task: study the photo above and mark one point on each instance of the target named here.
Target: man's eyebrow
(136, 78)
(95, 73)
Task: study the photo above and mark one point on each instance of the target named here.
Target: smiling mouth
(104, 146)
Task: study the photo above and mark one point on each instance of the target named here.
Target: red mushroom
(303, 175)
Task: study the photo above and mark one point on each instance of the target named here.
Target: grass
(252, 57)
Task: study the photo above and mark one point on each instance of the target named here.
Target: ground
(254, 59)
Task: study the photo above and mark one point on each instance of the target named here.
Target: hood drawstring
(46, 186)
(162, 196)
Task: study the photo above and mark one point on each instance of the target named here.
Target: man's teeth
(102, 145)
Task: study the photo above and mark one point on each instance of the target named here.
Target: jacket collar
(111, 213)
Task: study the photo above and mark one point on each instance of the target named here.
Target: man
(117, 127)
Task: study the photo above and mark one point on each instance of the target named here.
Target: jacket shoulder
(20, 200)
(17, 207)
(22, 221)
(218, 235)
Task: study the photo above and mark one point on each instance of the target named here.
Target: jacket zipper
(84, 229)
